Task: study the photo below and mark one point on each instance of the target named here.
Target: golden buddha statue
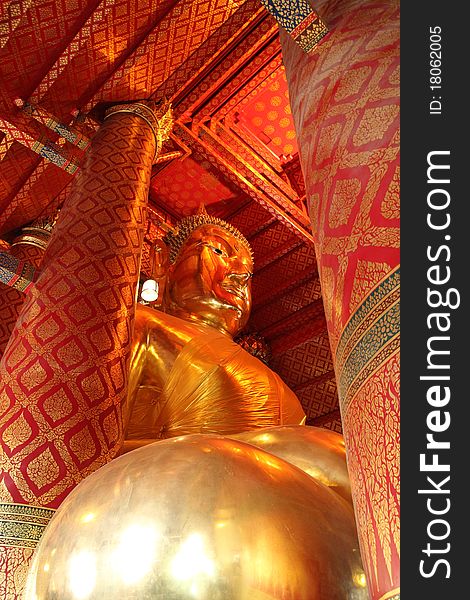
(187, 374)
(252, 509)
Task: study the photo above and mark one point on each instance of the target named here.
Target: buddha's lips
(235, 291)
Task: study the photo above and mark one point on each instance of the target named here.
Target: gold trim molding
(22, 526)
(31, 240)
(38, 233)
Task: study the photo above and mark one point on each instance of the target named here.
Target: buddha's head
(210, 273)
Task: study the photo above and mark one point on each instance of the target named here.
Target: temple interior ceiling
(233, 146)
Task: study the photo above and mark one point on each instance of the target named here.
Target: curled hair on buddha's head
(175, 239)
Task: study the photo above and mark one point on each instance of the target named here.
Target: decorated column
(29, 246)
(64, 371)
(345, 101)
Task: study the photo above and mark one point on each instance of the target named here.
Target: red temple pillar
(64, 371)
(29, 246)
(345, 101)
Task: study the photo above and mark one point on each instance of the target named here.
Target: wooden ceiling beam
(284, 288)
(246, 179)
(202, 94)
(277, 254)
(314, 381)
(299, 336)
(301, 318)
(273, 186)
(334, 415)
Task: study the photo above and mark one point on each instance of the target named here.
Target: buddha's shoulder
(157, 323)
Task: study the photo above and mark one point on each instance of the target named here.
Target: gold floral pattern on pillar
(64, 371)
(345, 102)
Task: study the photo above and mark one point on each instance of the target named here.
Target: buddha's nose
(242, 278)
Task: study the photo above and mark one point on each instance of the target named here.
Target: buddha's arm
(157, 341)
(137, 364)
(292, 412)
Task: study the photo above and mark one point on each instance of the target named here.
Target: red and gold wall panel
(11, 300)
(345, 102)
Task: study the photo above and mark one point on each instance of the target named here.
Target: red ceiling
(185, 184)
(266, 113)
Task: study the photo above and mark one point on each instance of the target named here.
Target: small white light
(82, 574)
(149, 291)
(134, 556)
(191, 561)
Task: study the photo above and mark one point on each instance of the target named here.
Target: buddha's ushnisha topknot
(187, 225)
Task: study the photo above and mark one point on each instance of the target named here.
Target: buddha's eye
(216, 250)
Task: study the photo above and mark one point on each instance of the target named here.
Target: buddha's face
(211, 280)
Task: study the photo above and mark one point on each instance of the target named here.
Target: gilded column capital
(38, 233)
(158, 116)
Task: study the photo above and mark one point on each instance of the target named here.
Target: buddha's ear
(158, 267)
(159, 259)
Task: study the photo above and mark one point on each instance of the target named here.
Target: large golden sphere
(199, 517)
(318, 451)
